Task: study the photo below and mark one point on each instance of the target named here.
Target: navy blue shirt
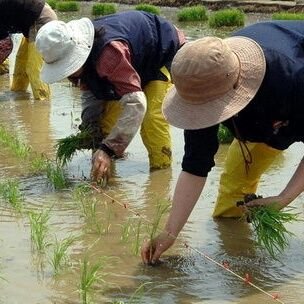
(17, 16)
(153, 42)
(280, 98)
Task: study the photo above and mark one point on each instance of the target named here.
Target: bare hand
(152, 250)
(101, 164)
(275, 201)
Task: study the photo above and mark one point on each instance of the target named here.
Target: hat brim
(68, 65)
(182, 114)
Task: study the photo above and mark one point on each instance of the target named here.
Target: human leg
(4, 67)
(40, 89)
(235, 182)
(155, 131)
(20, 80)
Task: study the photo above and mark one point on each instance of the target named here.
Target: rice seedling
(39, 229)
(162, 208)
(139, 293)
(18, 148)
(137, 241)
(52, 3)
(88, 205)
(10, 192)
(68, 146)
(87, 202)
(193, 13)
(268, 223)
(148, 8)
(81, 192)
(59, 258)
(102, 9)
(126, 229)
(109, 215)
(287, 16)
(56, 175)
(224, 135)
(67, 6)
(92, 218)
(227, 17)
(90, 275)
(38, 164)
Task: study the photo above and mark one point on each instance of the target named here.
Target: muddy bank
(247, 6)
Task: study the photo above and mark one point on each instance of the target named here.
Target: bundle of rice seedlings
(68, 146)
(268, 223)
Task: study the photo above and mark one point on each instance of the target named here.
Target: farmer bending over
(121, 62)
(26, 17)
(253, 83)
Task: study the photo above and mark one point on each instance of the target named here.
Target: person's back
(26, 17)
(152, 41)
(17, 16)
(281, 94)
(122, 69)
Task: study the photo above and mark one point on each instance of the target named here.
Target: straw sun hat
(64, 47)
(214, 79)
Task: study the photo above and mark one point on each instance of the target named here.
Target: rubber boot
(155, 131)
(41, 90)
(235, 182)
(27, 71)
(4, 67)
(20, 80)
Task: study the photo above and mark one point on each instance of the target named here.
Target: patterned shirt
(6, 47)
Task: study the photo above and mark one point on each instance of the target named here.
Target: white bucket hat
(214, 79)
(64, 47)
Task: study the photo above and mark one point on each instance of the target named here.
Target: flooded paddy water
(105, 230)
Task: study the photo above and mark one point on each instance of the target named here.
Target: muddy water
(186, 276)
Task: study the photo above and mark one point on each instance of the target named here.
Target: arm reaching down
(187, 192)
(134, 109)
(293, 189)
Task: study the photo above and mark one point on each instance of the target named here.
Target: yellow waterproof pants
(155, 131)
(4, 67)
(27, 71)
(235, 182)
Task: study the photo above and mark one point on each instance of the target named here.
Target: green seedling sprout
(227, 17)
(90, 275)
(88, 206)
(39, 229)
(137, 241)
(56, 176)
(38, 164)
(67, 6)
(161, 209)
(140, 291)
(10, 192)
(102, 9)
(269, 225)
(60, 258)
(18, 148)
(192, 13)
(126, 229)
(68, 146)
(150, 8)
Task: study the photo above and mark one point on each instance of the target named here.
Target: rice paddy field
(62, 242)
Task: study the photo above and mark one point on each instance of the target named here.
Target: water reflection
(186, 276)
